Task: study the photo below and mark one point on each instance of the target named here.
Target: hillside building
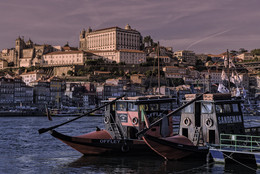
(113, 44)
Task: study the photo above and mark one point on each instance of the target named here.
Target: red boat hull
(101, 143)
(175, 147)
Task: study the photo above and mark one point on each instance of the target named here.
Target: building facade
(245, 56)
(113, 38)
(187, 57)
(29, 77)
(61, 58)
(113, 44)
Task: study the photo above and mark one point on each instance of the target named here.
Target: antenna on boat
(158, 56)
(43, 130)
(228, 71)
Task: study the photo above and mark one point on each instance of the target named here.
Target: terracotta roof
(64, 52)
(132, 51)
(32, 72)
(116, 27)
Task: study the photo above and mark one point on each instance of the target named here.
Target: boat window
(219, 108)
(189, 108)
(227, 108)
(154, 107)
(146, 107)
(165, 106)
(121, 106)
(206, 108)
(235, 107)
(113, 107)
(132, 107)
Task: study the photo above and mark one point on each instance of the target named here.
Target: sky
(202, 26)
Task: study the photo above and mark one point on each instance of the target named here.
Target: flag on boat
(224, 75)
(143, 116)
(238, 79)
(222, 88)
(237, 92)
(232, 78)
(231, 64)
(225, 62)
(244, 93)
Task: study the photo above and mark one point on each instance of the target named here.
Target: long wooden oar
(43, 130)
(170, 114)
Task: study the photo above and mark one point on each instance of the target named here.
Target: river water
(24, 151)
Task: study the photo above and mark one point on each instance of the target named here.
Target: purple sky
(203, 26)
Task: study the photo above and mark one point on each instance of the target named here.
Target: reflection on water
(153, 164)
(24, 151)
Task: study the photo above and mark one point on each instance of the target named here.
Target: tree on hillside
(148, 40)
(70, 72)
(242, 50)
(233, 52)
(255, 52)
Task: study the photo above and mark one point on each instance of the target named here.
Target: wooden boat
(123, 119)
(101, 142)
(201, 126)
(175, 147)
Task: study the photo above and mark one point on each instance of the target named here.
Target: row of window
(207, 108)
(130, 106)
(62, 56)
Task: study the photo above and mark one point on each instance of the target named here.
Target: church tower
(82, 39)
(19, 46)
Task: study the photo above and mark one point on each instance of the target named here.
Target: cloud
(207, 37)
(201, 25)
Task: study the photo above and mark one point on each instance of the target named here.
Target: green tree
(148, 73)
(91, 62)
(242, 50)
(148, 40)
(233, 52)
(134, 72)
(71, 73)
(80, 72)
(255, 52)
(177, 82)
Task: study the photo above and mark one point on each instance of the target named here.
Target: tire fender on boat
(125, 148)
(187, 121)
(135, 120)
(106, 119)
(209, 122)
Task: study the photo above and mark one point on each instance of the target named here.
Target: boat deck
(243, 148)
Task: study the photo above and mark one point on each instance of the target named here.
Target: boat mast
(228, 71)
(159, 82)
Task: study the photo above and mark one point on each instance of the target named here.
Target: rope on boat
(229, 156)
(195, 168)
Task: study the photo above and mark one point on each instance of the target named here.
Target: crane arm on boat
(43, 130)
(170, 114)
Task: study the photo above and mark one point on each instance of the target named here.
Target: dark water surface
(23, 150)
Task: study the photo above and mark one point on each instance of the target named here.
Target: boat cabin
(129, 115)
(204, 120)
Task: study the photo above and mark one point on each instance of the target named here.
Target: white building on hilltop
(114, 44)
(65, 58)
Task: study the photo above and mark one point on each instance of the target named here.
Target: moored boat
(214, 123)
(123, 119)
(175, 147)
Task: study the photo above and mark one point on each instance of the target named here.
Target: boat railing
(253, 130)
(234, 142)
